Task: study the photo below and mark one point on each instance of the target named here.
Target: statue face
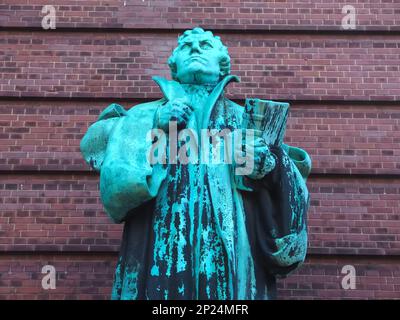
(198, 60)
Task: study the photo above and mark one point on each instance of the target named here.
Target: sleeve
(117, 145)
(276, 210)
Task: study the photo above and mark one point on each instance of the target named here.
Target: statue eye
(205, 45)
(185, 46)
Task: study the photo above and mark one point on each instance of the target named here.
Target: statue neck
(206, 88)
(198, 95)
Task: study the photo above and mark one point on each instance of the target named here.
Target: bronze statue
(199, 229)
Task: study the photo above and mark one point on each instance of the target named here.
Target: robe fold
(197, 231)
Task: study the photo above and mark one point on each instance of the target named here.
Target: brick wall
(343, 86)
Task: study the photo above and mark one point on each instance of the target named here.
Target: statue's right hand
(177, 110)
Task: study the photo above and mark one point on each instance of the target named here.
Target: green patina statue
(197, 229)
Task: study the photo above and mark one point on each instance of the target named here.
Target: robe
(197, 231)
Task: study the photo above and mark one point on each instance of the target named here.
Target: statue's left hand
(264, 160)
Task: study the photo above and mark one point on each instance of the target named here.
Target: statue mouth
(196, 58)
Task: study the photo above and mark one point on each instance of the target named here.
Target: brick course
(120, 65)
(87, 277)
(355, 139)
(225, 14)
(64, 213)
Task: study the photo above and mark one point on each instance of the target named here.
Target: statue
(200, 230)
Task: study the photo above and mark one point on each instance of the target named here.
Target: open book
(267, 118)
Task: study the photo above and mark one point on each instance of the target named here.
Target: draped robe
(197, 231)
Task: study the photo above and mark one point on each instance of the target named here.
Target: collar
(172, 89)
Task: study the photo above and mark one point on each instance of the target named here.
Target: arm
(117, 146)
(276, 210)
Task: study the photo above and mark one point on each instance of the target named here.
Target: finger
(259, 142)
(186, 114)
(181, 109)
(187, 110)
(183, 117)
(262, 150)
(256, 143)
(186, 101)
(182, 103)
(187, 107)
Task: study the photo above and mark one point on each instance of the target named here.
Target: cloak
(260, 225)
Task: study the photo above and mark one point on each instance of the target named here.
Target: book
(267, 118)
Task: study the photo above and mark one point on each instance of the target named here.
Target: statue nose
(195, 47)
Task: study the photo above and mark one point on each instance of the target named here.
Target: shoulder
(146, 108)
(117, 122)
(115, 110)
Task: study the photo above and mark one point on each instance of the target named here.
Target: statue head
(199, 58)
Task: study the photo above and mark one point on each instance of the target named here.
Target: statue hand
(176, 110)
(264, 160)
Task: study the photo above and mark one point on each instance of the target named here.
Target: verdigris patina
(200, 230)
